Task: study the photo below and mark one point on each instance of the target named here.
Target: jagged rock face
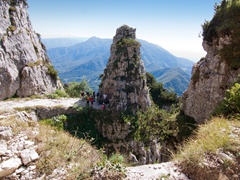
(211, 77)
(124, 79)
(24, 66)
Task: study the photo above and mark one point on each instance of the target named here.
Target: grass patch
(58, 149)
(209, 138)
(215, 148)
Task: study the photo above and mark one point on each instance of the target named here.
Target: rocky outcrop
(124, 79)
(211, 77)
(220, 69)
(25, 69)
(118, 136)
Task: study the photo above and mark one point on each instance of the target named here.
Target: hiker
(104, 97)
(98, 97)
(101, 99)
(88, 99)
(94, 95)
(91, 99)
(82, 95)
(103, 106)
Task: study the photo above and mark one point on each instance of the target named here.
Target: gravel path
(66, 102)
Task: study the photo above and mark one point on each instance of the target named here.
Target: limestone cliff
(215, 73)
(124, 79)
(25, 69)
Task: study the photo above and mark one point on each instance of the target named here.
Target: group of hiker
(102, 99)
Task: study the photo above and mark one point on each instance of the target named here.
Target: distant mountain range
(62, 42)
(76, 59)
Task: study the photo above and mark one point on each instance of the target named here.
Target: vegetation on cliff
(225, 22)
(230, 106)
(160, 95)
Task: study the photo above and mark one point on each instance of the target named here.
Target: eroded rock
(124, 79)
(25, 69)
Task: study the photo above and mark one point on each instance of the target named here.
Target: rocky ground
(156, 171)
(11, 146)
(18, 154)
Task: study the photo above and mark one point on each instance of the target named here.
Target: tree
(74, 89)
(160, 95)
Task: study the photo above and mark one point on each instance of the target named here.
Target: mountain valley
(87, 60)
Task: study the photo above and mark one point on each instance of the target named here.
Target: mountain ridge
(87, 60)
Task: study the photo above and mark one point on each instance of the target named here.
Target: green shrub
(57, 122)
(225, 22)
(154, 124)
(159, 94)
(84, 125)
(57, 94)
(51, 71)
(230, 106)
(116, 159)
(111, 168)
(186, 126)
(232, 100)
(74, 89)
(128, 42)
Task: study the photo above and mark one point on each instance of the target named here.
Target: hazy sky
(174, 25)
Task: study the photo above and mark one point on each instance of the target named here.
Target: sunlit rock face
(211, 77)
(124, 79)
(25, 69)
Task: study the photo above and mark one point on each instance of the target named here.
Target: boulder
(9, 166)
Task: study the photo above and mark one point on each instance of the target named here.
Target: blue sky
(174, 25)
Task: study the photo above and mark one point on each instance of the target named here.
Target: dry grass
(209, 138)
(199, 156)
(18, 123)
(58, 149)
